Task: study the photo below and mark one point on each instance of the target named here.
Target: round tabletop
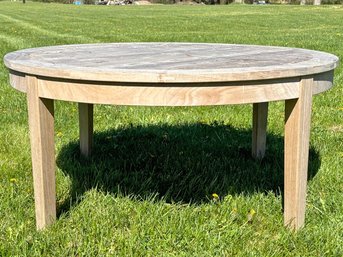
(169, 62)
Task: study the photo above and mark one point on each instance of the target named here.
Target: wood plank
(322, 82)
(169, 62)
(172, 95)
(297, 136)
(86, 128)
(41, 123)
(259, 131)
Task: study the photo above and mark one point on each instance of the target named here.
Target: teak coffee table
(171, 74)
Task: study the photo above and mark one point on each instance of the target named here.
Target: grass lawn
(147, 189)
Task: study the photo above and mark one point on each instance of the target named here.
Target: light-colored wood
(322, 82)
(41, 123)
(18, 81)
(169, 62)
(297, 136)
(86, 128)
(259, 130)
(172, 93)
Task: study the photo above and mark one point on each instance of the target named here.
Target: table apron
(167, 94)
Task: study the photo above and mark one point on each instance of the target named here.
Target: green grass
(147, 189)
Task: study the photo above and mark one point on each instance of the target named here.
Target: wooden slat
(297, 135)
(259, 131)
(41, 123)
(86, 128)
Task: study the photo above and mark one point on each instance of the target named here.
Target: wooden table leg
(86, 128)
(41, 123)
(259, 130)
(297, 136)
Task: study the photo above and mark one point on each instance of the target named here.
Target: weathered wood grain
(173, 95)
(169, 62)
(297, 136)
(259, 129)
(169, 94)
(86, 128)
(41, 123)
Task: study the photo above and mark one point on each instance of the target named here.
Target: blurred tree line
(211, 2)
